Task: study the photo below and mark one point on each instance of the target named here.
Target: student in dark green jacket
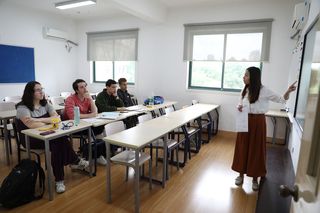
(107, 100)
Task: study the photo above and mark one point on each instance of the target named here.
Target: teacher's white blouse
(261, 106)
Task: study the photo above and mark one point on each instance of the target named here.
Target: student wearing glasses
(34, 111)
(82, 99)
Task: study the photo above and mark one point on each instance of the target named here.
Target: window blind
(120, 45)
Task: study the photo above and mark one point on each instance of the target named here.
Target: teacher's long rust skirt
(250, 151)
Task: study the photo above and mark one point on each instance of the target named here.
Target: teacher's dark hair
(28, 95)
(254, 84)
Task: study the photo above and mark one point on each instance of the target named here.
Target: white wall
(55, 68)
(160, 66)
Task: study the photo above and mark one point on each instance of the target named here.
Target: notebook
(109, 115)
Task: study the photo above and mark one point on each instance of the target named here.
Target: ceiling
(102, 9)
(111, 8)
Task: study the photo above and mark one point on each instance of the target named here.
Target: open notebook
(109, 115)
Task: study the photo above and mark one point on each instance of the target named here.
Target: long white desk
(140, 136)
(152, 108)
(35, 133)
(131, 111)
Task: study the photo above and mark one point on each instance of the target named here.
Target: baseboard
(278, 141)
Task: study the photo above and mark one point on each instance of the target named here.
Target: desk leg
(6, 140)
(215, 131)
(198, 147)
(27, 146)
(288, 130)
(210, 129)
(49, 169)
(108, 175)
(186, 144)
(136, 181)
(90, 151)
(165, 158)
(274, 122)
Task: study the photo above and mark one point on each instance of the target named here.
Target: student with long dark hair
(33, 112)
(250, 150)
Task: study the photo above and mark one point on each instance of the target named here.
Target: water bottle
(76, 115)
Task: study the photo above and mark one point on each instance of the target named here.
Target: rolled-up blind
(120, 45)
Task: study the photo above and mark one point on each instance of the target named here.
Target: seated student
(88, 109)
(107, 100)
(34, 111)
(123, 92)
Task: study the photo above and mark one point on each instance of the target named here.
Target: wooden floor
(205, 184)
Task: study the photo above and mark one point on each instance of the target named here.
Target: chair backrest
(7, 106)
(134, 100)
(65, 94)
(195, 102)
(14, 99)
(58, 100)
(145, 117)
(114, 127)
(93, 95)
(169, 109)
(18, 126)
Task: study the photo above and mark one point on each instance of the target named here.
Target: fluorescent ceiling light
(74, 3)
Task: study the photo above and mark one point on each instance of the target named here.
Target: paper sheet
(242, 120)
(91, 120)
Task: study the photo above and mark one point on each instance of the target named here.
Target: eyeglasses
(39, 90)
(66, 126)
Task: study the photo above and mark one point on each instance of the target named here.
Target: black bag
(19, 186)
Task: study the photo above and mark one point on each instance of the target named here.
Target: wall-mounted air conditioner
(51, 33)
(300, 17)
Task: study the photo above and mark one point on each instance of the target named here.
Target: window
(219, 53)
(113, 54)
(104, 70)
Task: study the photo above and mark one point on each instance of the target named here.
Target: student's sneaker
(239, 181)
(255, 185)
(81, 165)
(101, 160)
(60, 187)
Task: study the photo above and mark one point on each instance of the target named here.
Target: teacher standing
(250, 150)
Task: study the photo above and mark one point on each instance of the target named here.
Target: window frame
(222, 79)
(113, 73)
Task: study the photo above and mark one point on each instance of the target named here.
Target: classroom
(161, 105)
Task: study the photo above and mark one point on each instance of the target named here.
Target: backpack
(18, 187)
(156, 99)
